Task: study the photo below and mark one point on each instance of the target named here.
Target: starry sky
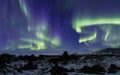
(54, 26)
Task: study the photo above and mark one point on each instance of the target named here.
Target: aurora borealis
(54, 26)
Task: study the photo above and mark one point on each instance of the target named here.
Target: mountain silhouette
(108, 51)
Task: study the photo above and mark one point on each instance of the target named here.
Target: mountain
(108, 51)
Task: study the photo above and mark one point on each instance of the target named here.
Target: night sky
(54, 26)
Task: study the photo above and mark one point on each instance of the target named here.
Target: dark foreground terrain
(107, 64)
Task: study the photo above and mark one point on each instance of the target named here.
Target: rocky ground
(60, 65)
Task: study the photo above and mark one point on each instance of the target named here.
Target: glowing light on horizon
(39, 45)
(88, 38)
(107, 25)
(79, 23)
